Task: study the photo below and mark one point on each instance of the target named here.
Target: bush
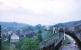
(28, 44)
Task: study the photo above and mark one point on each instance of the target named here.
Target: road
(70, 47)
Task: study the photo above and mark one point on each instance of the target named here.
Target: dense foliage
(32, 36)
(28, 44)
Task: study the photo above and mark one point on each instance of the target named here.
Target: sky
(45, 12)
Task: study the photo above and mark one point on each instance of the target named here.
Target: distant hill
(12, 25)
(69, 25)
(15, 26)
(73, 23)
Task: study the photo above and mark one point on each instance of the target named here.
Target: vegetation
(32, 36)
(28, 44)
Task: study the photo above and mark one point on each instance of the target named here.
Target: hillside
(15, 26)
(12, 25)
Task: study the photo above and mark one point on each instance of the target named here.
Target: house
(14, 38)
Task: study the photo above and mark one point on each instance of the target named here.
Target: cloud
(55, 6)
(40, 11)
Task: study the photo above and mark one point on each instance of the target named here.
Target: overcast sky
(45, 12)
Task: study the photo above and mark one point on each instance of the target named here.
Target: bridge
(55, 43)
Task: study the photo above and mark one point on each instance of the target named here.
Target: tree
(28, 44)
(5, 45)
(39, 34)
